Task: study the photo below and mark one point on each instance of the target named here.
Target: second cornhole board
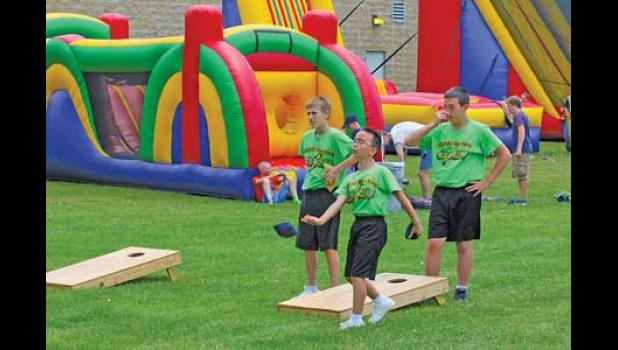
(402, 288)
(114, 268)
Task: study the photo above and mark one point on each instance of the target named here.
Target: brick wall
(360, 36)
(156, 18)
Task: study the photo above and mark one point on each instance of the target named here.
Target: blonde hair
(320, 102)
(263, 165)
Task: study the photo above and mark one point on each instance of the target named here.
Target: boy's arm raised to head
(414, 137)
(328, 214)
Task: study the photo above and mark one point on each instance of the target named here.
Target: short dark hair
(460, 93)
(514, 100)
(377, 138)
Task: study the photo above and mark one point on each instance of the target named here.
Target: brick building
(157, 18)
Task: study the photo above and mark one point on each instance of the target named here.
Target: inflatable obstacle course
(193, 113)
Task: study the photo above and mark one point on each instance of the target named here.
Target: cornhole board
(114, 268)
(402, 288)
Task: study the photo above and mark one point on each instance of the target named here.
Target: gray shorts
(520, 167)
(315, 203)
(455, 214)
(367, 238)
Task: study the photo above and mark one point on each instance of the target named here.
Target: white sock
(354, 318)
(462, 287)
(311, 288)
(380, 299)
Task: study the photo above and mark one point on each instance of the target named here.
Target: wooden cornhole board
(402, 288)
(114, 268)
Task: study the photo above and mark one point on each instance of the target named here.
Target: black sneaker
(461, 294)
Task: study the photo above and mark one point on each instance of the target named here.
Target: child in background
(273, 186)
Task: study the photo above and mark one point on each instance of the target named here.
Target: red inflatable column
(322, 25)
(118, 25)
(439, 45)
(196, 19)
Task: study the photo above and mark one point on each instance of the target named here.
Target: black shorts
(367, 238)
(455, 214)
(315, 203)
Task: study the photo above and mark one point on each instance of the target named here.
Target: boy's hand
(312, 220)
(414, 231)
(441, 117)
(330, 176)
(478, 187)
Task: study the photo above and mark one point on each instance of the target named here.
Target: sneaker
(461, 294)
(516, 201)
(307, 291)
(349, 324)
(380, 309)
(405, 182)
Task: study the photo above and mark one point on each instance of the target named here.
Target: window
(373, 59)
(399, 11)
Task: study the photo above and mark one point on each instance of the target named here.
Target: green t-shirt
(368, 190)
(458, 156)
(332, 147)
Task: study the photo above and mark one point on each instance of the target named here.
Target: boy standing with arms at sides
(459, 148)
(368, 190)
(522, 147)
(322, 147)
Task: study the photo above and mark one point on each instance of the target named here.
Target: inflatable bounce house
(419, 107)
(497, 49)
(194, 113)
(198, 112)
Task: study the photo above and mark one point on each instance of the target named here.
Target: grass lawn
(236, 269)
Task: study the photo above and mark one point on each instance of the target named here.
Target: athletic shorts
(425, 160)
(520, 167)
(315, 203)
(367, 238)
(455, 214)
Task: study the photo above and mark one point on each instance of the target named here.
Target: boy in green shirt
(322, 147)
(368, 190)
(459, 148)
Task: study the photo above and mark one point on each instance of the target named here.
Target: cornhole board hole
(402, 288)
(114, 268)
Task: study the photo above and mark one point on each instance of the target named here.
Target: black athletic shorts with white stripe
(315, 203)
(455, 214)
(367, 238)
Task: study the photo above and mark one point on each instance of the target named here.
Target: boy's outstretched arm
(328, 214)
(405, 203)
(504, 156)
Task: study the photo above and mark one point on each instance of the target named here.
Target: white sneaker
(349, 324)
(306, 292)
(380, 309)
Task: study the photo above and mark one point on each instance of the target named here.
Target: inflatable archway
(193, 113)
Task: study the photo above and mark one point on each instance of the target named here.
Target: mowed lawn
(235, 270)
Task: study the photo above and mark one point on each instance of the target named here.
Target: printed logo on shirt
(321, 156)
(453, 150)
(364, 188)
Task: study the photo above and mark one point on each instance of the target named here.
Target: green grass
(236, 269)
